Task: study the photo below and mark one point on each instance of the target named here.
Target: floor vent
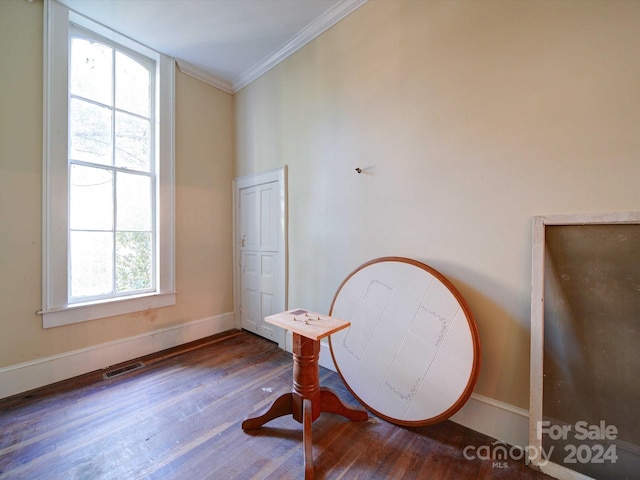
(122, 370)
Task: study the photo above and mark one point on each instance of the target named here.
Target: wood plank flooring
(179, 418)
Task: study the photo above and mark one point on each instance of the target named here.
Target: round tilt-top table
(412, 353)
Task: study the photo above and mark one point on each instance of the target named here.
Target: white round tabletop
(412, 352)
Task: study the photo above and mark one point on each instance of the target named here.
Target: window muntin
(111, 175)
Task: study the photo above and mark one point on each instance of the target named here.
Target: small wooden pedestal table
(307, 399)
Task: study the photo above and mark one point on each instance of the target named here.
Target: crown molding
(313, 30)
(204, 76)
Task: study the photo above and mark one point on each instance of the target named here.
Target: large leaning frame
(537, 326)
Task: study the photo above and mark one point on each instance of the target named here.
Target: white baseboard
(490, 417)
(562, 473)
(496, 419)
(325, 359)
(45, 371)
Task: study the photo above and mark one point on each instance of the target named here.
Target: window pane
(132, 85)
(91, 263)
(91, 198)
(132, 142)
(133, 200)
(90, 132)
(133, 261)
(90, 73)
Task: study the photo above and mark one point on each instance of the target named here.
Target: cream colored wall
(203, 172)
(469, 118)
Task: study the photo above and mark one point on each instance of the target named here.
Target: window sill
(93, 311)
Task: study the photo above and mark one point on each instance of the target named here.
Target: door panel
(268, 218)
(249, 219)
(259, 292)
(250, 317)
(268, 288)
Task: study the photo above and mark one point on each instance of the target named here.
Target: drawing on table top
(412, 347)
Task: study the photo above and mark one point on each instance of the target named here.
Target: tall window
(108, 173)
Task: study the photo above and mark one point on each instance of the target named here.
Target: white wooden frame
(537, 326)
(252, 179)
(56, 309)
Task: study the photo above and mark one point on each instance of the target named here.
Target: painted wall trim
(313, 30)
(499, 420)
(26, 376)
(562, 473)
(204, 76)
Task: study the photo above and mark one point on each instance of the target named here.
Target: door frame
(253, 180)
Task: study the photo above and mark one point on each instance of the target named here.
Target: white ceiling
(227, 43)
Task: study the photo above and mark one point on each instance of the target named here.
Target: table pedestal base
(307, 400)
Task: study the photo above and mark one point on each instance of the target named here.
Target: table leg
(283, 405)
(331, 403)
(307, 399)
(306, 438)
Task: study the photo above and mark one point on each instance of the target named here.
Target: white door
(260, 251)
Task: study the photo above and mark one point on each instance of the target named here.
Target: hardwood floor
(179, 418)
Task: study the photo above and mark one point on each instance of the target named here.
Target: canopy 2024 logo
(584, 450)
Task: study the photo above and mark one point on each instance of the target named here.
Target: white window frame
(56, 308)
